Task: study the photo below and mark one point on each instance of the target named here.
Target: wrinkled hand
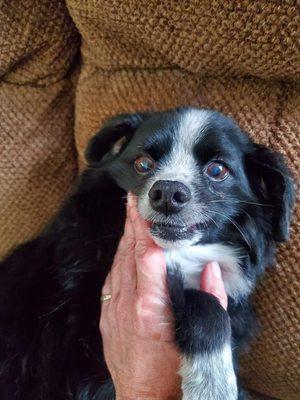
(136, 324)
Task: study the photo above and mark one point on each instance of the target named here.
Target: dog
(210, 194)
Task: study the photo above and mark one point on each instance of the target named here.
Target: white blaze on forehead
(192, 126)
(180, 165)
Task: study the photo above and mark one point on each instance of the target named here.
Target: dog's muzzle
(169, 199)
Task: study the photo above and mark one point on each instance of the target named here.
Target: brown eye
(216, 171)
(144, 165)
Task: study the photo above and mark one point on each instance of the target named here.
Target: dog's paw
(201, 323)
(203, 335)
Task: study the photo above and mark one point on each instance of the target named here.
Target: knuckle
(103, 325)
(148, 255)
(144, 308)
(123, 319)
(105, 289)
(141, 248)
(129, 243)
(121, 311)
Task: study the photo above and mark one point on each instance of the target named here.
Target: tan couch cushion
(38, 45)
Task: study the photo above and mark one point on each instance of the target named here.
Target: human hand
(136, 324)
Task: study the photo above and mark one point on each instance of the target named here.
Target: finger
(123, 267)
(150, 260)
(128, 268)
(115, 274)
(123, 272)
(105, 306)
(107, 289)
(212, 282)
(140, 226)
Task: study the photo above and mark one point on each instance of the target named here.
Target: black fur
(194, 308)
(50, 346)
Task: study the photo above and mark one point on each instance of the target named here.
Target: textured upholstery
(239, 57)
(38, 45)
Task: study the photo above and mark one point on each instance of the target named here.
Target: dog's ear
(272, 182)
(113, 135)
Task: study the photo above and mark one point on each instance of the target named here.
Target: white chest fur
(191, 261)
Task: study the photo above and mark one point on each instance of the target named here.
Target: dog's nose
(169, 197)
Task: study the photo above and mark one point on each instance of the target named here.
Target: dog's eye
(144, 164)
(216, 171)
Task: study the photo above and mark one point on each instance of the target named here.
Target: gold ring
(105, 297)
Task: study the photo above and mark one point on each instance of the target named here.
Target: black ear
(116, 129)
(272, 182)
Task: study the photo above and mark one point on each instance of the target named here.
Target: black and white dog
(210, 194)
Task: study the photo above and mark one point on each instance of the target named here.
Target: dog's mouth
(172, 232)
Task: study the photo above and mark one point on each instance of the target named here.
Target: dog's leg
(203, 334)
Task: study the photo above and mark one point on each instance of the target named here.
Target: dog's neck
(191, 261)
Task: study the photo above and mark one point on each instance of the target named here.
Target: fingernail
(216, 270)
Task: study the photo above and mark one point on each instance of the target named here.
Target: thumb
(212, 282)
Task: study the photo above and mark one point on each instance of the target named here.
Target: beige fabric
(38, 44)
(240, 57)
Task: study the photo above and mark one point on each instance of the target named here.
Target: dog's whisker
(250, 217)
(238, 227)
(208, 216)
(240, 201)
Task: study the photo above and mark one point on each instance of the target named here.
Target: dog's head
(195, 172)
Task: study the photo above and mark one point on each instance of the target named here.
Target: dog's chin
(172, 236)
